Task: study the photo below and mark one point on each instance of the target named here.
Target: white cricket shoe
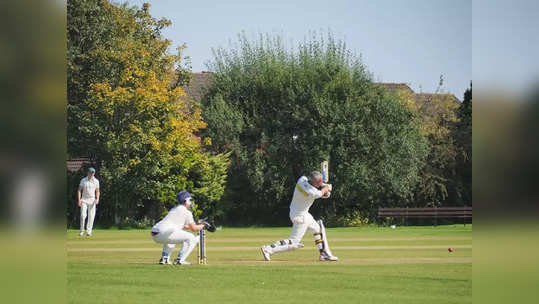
(164, 261)
(182, 263)
(324, 257)
(88, 234)
(266, 252)
(81, 233)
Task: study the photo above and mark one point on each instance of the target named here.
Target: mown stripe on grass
(248, 240)
(300, 262)
(256, 248)
(356, 261)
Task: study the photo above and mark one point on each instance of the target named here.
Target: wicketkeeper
(306, 191)
(170, 230)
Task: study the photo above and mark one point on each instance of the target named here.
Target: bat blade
(325, 171)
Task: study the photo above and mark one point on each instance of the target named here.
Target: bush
(131, 223)
(354, 219)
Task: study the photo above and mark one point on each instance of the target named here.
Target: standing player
(306, 191)
(88, 199)
(170, 230)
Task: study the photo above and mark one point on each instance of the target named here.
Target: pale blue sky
(400, 41)
(506, 45)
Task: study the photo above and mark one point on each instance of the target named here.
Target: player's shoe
(88, 234)
(266, 252)
(164, 261)
(184, 263)
(324, 257)
(81, 233)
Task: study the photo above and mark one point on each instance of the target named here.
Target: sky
(411, 42)
(505, 45)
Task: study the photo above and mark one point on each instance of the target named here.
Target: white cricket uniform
(302, 220)
(88, 187)
(169, 232)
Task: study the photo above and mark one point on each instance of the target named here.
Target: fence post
(435, 216)
(406, 217)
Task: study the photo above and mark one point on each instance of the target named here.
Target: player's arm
(318, 193)
(313, 190)
(329, 189)
(79, 194)
(325, 189)
(194, 227)
(97, 193)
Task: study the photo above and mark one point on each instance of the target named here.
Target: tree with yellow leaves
(437, 118)
(129, 114)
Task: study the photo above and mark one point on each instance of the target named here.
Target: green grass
(377, 265)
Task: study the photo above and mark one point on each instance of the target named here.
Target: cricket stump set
(202, 248)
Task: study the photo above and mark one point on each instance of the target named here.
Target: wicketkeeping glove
(210, 226)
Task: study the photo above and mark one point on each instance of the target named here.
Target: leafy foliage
(437, 115)
(463, 137)
(281, 112)
(129, 114)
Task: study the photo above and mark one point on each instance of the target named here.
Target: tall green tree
(281, 112)
(463, 137)
(129, 114)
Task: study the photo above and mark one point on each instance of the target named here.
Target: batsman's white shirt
(304, 196)
(88, 187)
(177, 217)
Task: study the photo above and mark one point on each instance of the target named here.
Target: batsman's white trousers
(301, 223)
(169, 236)
(88, 208)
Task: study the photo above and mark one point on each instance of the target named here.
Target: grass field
(377, 265)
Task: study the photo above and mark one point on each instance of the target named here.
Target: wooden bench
(438, 212)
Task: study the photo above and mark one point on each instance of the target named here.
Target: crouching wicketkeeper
(305, 193)
(170, 230)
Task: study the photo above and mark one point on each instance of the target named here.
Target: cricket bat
(325, 175)
(325, 171)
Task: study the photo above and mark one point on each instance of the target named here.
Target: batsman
(305, 192)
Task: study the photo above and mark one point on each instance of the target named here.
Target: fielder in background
(170, 230)
(88, 199)
(306, 191)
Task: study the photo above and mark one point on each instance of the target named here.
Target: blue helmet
(183, 196)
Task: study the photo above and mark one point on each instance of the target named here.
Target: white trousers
(88, 208)
(302, 223)
(170, 236)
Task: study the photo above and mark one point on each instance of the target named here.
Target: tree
(463, 137)
(128, 112)
(437, 115)
(281, 112)
(99, 37)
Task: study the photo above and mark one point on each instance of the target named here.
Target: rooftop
(202, 80)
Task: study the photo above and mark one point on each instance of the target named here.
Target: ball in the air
(450, 249)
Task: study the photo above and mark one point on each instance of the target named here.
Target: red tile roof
(424, 97)
(393, 87)
(198, 85)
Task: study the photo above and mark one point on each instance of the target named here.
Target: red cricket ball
(450, 249)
